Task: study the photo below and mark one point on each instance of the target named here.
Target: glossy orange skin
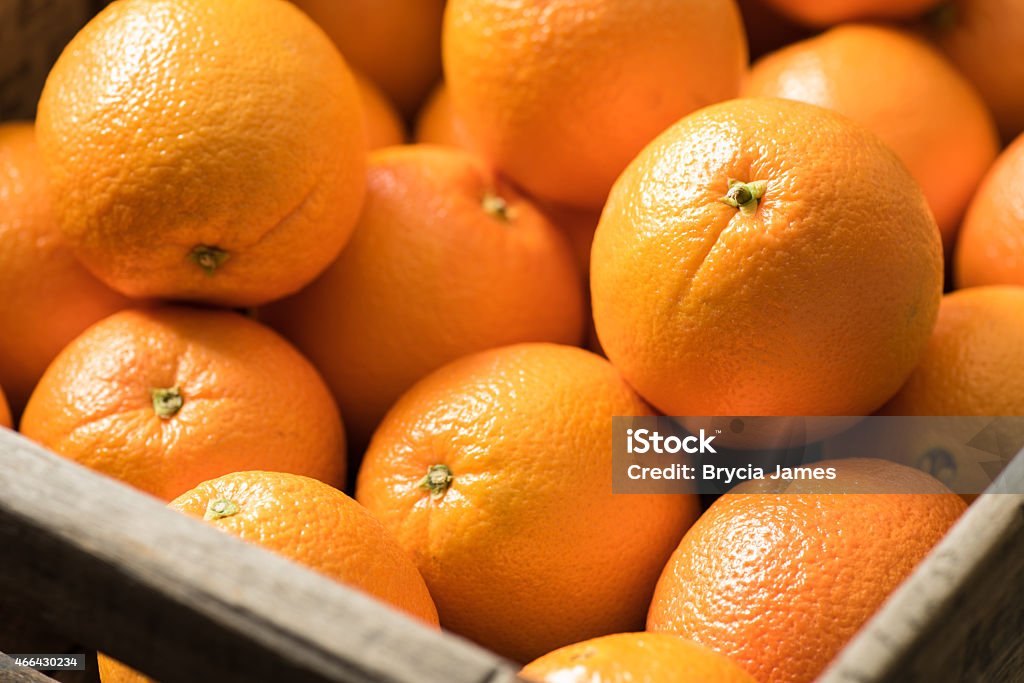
(820, 13)
(973, 364)
(635, 658)
(168, 125)
(250, 400)
(397, 43)
(820, 302)
(528, 550)
(313, 524)
(779, 582)
(430, 276)
(984, 42)
(384, 126)
(904, 91)
(561, 95)
(990, 250)
(437, 123)
(48, 297)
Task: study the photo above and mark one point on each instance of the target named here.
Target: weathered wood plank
(12, 674)
(116, 570)
(960, 616)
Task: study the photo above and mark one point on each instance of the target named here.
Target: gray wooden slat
(960, 615)
(12, 674)
(175, 598)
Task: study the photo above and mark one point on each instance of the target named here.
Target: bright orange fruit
(635, 658)
(906, 92)
(446, 261)
(437, 123)
(384, 126)
(397, 43)
(561, 95)
(311, 523)
(779, 580)
(495, 474)
(164, 399)
(211, 150)
(766, 257)
(48, 297)
(983, 39)
(990, 250)
(973, 364)
(828, 12)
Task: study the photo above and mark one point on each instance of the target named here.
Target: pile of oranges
(230, 279)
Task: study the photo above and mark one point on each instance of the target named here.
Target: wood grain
(9, 673)
(960, 615)
(117, 571)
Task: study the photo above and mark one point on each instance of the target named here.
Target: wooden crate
(118, 572)
(111, 568)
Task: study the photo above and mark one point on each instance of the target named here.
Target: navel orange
(990, 250)
(166, 398)
(495, 474)
(766, 257)
(635, 658)
(48, 297)
(974, 361)
(446, 260)
(437, 123)
(906, 92)
(384, 127)
(828, 12)
(311, 523)
(983, 39)
(561, 95)
(397, 43)
(211, 150)
(778, 577)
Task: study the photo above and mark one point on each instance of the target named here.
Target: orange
(311, 523)
(900, 88)
(437, 123)
(828, 12)
(561, 95)
(973, 364)
(495, 474)
(779, 581)
(817, 298)
(48, 297)
(211, 150)
(635, 658)
(166, 398)
(446, 260)
(990, 250)
(5, 412)
(983, 38)
(397, 43)
(383, 125)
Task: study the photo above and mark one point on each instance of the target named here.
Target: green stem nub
(437, 481)
(167, 402)
(496, 206)
(219, 509)
(744, 196)
(208, 258)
